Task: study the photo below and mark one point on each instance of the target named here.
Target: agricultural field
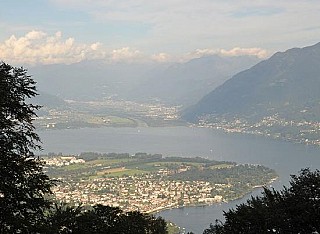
(150, 183)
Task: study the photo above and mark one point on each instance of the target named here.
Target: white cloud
(35, 35)
(198, 53)
(179, 26)
(36, 47)
(237, 51)
(125, 54)
(161, 57)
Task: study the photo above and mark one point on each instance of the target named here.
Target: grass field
(129, 172)
(119, 167)
(112, 171)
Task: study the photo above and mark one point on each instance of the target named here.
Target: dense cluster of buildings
(63, 161)
(146, 193)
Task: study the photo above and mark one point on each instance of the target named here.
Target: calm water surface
(286, 158)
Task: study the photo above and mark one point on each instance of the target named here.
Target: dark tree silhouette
(22, 181)
(100, 219)
(292, 210)
(62, 218)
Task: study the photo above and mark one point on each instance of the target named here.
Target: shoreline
(176, 206)
(315, 143)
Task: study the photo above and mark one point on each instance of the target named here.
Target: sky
(69, 31)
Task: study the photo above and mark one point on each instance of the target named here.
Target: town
(119, 182)
(306, 132)
(144, 193)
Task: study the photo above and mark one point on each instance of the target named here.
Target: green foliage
(100, 219)
(60, 218)
(292, 210)
(22, 182)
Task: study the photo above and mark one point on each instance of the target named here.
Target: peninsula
(150, 183)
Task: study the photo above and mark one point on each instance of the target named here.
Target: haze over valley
(171, 83)
(277, 97)
(151, 109)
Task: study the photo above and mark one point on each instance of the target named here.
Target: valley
(108, 113)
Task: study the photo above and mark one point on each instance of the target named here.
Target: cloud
(180, 26)
(237, 51)
(37, 47)
(198, 53)
(125, 54)
(161, 57)
(257, 11)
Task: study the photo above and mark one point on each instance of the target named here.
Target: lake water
(286, 158)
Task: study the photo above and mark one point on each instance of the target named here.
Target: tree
(63, 218)
(101, 219)
(293, 210)
(23, 185)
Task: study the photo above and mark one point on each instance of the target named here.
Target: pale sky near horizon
(68, 31)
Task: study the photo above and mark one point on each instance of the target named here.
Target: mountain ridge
(286, 83)
(169, 83)
(185, 83)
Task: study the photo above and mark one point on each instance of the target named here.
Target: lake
(286, 158)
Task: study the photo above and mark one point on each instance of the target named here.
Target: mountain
(286, 84)
(89, 80)
(179, 83)
(186, 83)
